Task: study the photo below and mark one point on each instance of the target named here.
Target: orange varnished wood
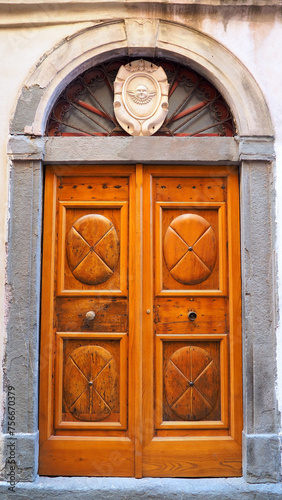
(85, 405)
(111, 314)
(46, 398)
(190, 249)
(91, 381)
(191, 383)
(141, 388)
(189, 362)
(192, 457)
(197, 268)
(190, 188)
(91, 384)
(181, 359)
(92, 247)
(83, 187)
(76, 456)
(136, 320)
(171, 316)
(236, 403)
(148, 408)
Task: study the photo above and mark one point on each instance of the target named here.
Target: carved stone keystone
(141, 97)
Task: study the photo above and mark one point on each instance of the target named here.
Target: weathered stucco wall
(29, 32)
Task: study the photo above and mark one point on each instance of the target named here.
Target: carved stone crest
(141, 97)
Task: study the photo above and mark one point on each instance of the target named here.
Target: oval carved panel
(92, 249)
(90, 383)
(190, 249)
(191, 383)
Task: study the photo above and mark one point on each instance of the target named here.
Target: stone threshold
(104, 488)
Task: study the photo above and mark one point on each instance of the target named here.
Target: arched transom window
(85, 107)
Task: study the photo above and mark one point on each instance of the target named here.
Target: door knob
(90, 315)
(192, 315)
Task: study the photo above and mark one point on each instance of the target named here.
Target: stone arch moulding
(142, 38)
(252, 149)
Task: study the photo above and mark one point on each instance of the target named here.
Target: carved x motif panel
(92, 249)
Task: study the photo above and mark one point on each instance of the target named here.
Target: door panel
(190, 373)
(91, 388)
(172, 317)
(140, 338)
(89, 263)
(190, 248)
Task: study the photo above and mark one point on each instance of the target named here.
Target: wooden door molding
(172, 261)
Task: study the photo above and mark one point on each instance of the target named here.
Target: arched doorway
(141, 310)
(252, 150)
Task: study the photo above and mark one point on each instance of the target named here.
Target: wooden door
(140, 340)
(192, 336)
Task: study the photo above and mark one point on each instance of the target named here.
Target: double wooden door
(141, 332)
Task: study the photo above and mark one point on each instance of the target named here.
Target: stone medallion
(141, 97)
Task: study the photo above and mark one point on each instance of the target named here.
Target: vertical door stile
(137, 273)
(46, 400)
(148, 313)
(235, 304)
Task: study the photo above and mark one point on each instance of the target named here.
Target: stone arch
(125, 37)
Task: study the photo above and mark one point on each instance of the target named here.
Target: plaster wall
(253, 36)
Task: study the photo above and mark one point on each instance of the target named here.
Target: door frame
(252, 151)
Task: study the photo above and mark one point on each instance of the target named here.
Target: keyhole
(192, 315)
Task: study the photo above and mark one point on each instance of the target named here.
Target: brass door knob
(90, 315)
